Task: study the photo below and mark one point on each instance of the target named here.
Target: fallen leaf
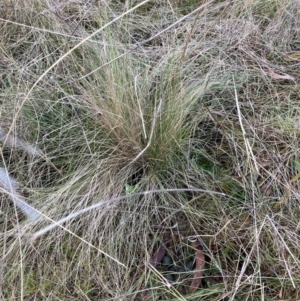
(263, 162)
(144, 295)
(265, 189)
(199, 270)
(272, 73)
(279, 76)
(160, 253)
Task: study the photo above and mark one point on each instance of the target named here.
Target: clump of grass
(193, 108)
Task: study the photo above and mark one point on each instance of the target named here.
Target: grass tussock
(195, 103)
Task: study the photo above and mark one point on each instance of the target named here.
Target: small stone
(172, 268)
(190, 265)
(167, 260)
(170, 277)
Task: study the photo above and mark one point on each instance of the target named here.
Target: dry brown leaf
(200, 264)
(144, 296)
(160, 253)
(263, 162)
(265, 189)
(279, 76)
(272, 73)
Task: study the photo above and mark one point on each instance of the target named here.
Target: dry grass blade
(108, 202)
(70, 51)
(292, 57)
(287, 193)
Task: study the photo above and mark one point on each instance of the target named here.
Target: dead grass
(211, 103)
